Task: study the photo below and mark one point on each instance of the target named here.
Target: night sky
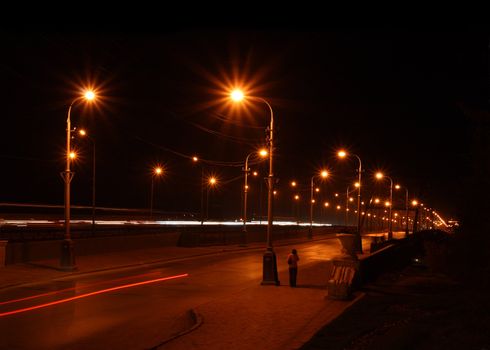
(396, 98)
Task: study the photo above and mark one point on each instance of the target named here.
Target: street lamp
(195, 159)
(269, 275)
(67, 261)
(347, 199)
(406, 208)
(379, 176)
(157, 172)
(83, 133)
(343, 154)
(323, 174)
(262, 153)
(415, 204)
(212, 181)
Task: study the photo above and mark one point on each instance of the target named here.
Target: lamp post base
(67, 262)
(270, 276)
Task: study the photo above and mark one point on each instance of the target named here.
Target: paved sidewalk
(266, 317)
(281, 317)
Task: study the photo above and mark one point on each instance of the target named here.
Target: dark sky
(394, 97)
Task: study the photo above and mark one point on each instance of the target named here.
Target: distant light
(293, 183)
(158, 170)
(255, 173)
(195, 159)
(236, 95)
(326, 204)
(342, 154)
(312, 201)
(397, 187)
(82, 132)
(379, 175)
(212, 181)
(387, 204)
(296, 197)
(274, 192)
(263, 152)
(324, 173)
(376, 200)
(317, 189)
(356, 185)
(338, 207)
(414, 203)
(73, 155)
(336, 194)
(351, 199)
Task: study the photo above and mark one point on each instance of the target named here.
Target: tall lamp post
(343, 154)
(262, 153)
(269, 274)
(83, 133)
(67, 261)
(157, 172)
(323, 174)
(347, 199)
(415, 204)
(380, 176)
(212, 181)
(406, 208)
(195, 159)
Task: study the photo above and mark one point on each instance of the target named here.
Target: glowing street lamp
(344, 154)
(67, 261)
(415, 204)
(406, 208)
(347, 200)
(323, 174)
(212, 182)
(389, 204)
(262, 153)
(157, 172)
(270, 275)
(195, 159)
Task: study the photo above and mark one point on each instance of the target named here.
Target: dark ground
(411, 309)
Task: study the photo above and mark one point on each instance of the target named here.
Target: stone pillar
(345, 269)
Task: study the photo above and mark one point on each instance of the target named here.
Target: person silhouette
(293, 259)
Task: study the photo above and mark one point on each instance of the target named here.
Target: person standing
(293, 259)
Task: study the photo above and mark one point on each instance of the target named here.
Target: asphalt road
(110, 312)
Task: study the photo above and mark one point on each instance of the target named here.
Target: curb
(197, 320)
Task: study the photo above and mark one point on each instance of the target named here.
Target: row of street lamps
(270, 275)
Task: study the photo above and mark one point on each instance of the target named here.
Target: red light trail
(72, 288)
(91, 294)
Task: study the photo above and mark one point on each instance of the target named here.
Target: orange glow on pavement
(18, 311)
